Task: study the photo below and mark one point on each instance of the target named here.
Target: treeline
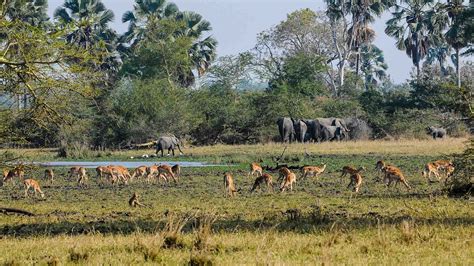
(72, 81)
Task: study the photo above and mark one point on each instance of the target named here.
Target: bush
(462, 181)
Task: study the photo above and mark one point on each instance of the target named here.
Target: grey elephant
(300, 129)
(436, 132)
(329, 133)
(286, 129)
(313, 129)
(168, 143)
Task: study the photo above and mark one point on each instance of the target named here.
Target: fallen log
(18, 211)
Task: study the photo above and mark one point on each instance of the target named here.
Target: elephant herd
(319, 129)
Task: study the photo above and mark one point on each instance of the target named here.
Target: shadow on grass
(281, 222)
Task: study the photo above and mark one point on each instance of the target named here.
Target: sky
(236, 24)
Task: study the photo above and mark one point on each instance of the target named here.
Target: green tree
(411, 27)
(373, 65)
(87, 26)
(161, 54)
(32, 12)
(39, 64)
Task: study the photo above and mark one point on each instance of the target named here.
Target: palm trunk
(458, 69)
(357, 68)
(418, 70)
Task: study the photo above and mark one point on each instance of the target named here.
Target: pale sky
(236, 24)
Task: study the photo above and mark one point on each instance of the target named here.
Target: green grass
(379, 225)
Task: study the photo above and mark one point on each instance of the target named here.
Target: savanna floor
(320, 221)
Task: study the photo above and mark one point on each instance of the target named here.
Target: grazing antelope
(259, 181)
(176, 169)
(356, 181)
(119, 173)
(255, 168)
(15, 172)
(430, 168)
(229, 186)
(74, 172)
(288, 179)
(449, 171)
(351, 170)
(443, 165)
(82, 176)
(31, 183)
(313, 171)
(139, 172)
(151, 172)
(167, 171)
(49, 174)
(102, 171)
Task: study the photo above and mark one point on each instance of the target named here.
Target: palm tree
(145, 14)
(455, 34)
(29, 11)
(88, 22)
(411, 26)
(202, 52)
(373, 65)
(438, 54)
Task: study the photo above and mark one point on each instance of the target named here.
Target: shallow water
(126, 164)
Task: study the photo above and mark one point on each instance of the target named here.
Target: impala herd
(115, 174)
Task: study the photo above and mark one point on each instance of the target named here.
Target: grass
(242, 153)
(94, 225)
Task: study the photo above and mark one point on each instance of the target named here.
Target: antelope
(101, 171)
(122, 172)
(82, 176)
(49, 174)
(443, 165)
(430, 168)
(229, 186)
(176, 169)
(391, 174)
(139, 172)
(74, 172)
(313, 171)
(31, 183)
(356, 181)
(255, 168)
(351, 170)
(151, 172)
(15, 172)
(167, 171)
(265, 178)
(288, 179)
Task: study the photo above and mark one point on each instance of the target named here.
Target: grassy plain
(93, 225)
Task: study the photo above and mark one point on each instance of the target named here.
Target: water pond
(126, 164)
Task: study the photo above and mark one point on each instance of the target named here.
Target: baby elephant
(436, 132)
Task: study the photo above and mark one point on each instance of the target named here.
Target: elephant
(300, 129)
(329, 133)
(168, 143)
(436, 132)
(313, 129)
(286, 129)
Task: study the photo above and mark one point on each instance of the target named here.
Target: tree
(373, 65)
(39, 62)
(146, 16)
(353, 17)
(455, 36)
(411, 27)
(161, 55)
(303, 33)
(32, 12)
(87, 25)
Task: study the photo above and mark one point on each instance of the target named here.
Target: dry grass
(395, 147)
